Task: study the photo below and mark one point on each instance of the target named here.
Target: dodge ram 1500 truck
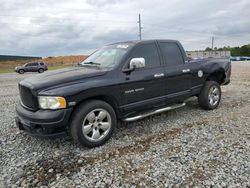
(123, 81)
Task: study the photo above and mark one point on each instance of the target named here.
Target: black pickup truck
(123, 81)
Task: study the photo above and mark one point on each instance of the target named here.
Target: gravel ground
(181, 148)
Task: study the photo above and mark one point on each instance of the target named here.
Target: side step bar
(129, 119)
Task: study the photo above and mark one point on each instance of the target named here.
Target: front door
(143, 88)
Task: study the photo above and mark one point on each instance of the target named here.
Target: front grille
(27, 98)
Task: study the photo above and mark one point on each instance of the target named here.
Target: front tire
(93, 123)
(210, 95)
(21, 71)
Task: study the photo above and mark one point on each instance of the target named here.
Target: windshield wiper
(91, 63)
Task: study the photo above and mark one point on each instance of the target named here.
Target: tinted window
(172, 53)
(32, 64)
(149, 53)
(41, 63)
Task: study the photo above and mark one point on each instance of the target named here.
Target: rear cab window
(171, 54)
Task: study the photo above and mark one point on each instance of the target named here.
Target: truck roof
(141, 41)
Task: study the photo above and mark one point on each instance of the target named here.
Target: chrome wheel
(213, 95)
(96, 125)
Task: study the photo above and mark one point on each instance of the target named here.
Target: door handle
(159, 75)
(185, 70)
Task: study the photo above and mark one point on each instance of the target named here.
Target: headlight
(46, 102)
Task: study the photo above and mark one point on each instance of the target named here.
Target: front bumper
(42, 123)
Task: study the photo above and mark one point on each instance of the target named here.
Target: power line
(64, 24)
(67, 19)
(52, 7)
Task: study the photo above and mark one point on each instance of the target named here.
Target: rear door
(35, 67)
(144, 87)
(178, 73)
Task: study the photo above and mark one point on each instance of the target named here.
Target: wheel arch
(106, 98)
(21, 70)
(218, 76)
(40, 68)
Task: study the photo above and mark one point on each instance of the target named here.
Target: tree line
(14, 58)
(235, 51)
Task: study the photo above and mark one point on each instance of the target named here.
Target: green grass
(57, 67)
(8, 70)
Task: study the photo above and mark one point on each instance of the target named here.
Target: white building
(206, 54)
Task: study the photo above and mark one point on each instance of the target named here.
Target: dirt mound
(51, 61)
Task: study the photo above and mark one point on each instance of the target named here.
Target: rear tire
(210, 95)
(93, 123)
(40, 70)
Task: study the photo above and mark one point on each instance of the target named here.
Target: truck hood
(61, 76)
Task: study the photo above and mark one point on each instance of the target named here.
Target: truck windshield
(108, 56)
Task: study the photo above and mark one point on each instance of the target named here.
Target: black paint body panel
(128, 93)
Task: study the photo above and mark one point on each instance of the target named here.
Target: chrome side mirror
(136, 63)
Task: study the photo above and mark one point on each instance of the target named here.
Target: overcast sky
(49, 27)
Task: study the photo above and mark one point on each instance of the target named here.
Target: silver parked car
(39, 67)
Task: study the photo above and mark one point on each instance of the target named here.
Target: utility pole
(140, 27)
(212, 43)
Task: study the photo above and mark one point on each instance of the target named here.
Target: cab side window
(149, 53)
(171, 53)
